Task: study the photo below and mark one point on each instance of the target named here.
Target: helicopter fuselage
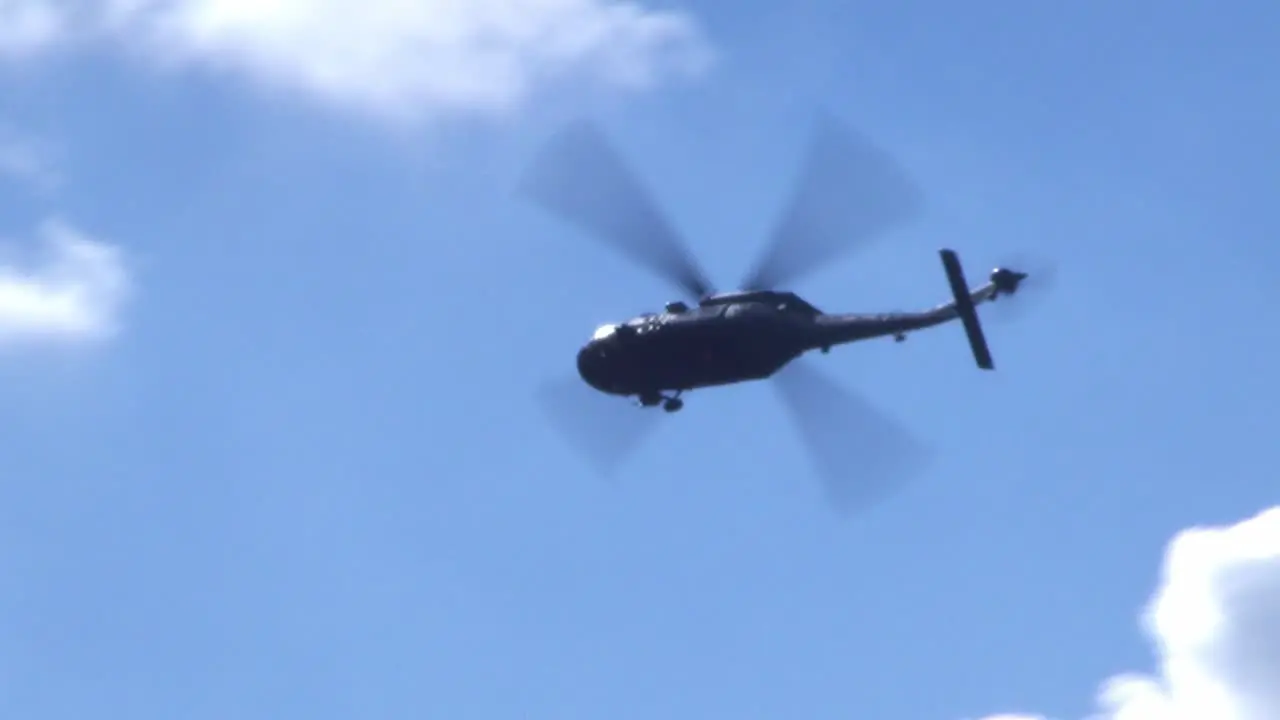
(715, 343)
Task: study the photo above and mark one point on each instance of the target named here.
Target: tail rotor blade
(580, 177)
(861, 454)
(604, 429)
(848, 193)
(1042, 278)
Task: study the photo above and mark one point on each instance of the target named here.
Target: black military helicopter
(848, 193)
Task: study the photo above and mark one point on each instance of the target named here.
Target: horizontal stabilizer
(965, 309)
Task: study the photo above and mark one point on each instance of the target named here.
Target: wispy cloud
(1215, 622)
(26, 160)
(71, 294)
(398, 58)
(28, 26)
(72, 289)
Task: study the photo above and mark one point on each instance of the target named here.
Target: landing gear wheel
(672, 404)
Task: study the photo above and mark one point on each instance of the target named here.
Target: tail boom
(838, 329)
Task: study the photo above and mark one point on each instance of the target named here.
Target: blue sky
(272, 320)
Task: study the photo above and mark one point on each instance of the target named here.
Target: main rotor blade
(580, 177)
(604, 429)
(848, 193)
(861, 454)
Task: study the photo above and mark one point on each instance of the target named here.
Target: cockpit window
(604, 331)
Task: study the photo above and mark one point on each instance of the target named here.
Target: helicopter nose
(591, 361)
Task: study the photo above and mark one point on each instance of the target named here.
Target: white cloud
(27, 26)
(75, 293)
(404, 58)
(1215, 623)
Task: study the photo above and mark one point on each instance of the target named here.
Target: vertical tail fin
(965, 309)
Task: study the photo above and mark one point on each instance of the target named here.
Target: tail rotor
(1022, 282)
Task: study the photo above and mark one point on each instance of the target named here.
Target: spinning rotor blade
(604, 429)
(581, 178)
(861, 453)
(848, 193)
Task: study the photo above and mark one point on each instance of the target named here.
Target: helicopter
(848, 193)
